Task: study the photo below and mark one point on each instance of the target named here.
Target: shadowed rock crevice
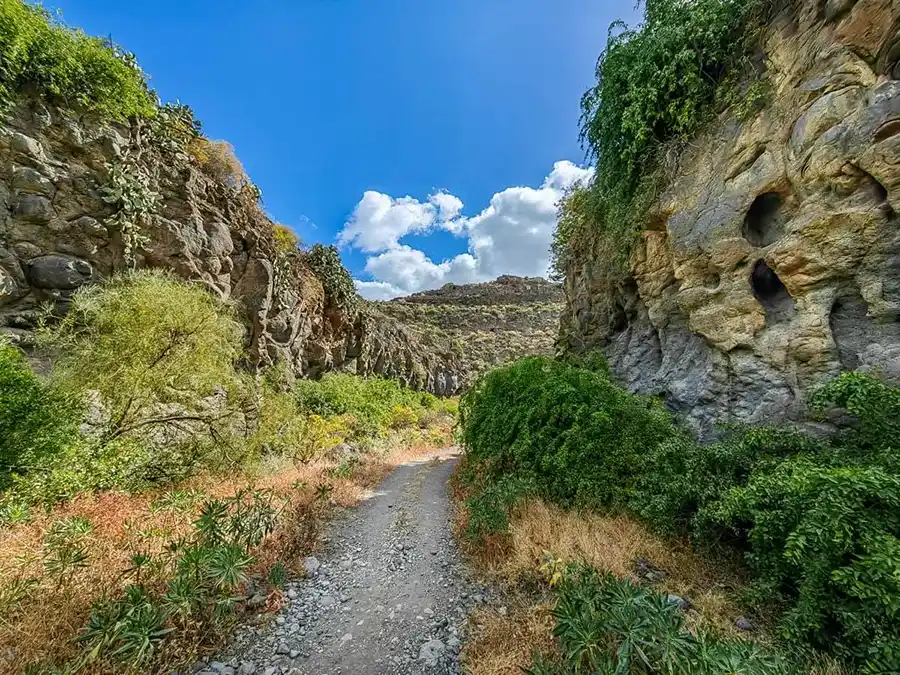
(764, 223)
(771, 293)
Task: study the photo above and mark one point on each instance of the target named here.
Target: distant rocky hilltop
(491, 323)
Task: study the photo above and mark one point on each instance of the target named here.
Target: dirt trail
(388, 594)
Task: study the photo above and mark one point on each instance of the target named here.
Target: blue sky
(328, 101)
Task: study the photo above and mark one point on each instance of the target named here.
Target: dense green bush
(374, 405)
(687, 475)
(39, 54)
(325, 263)
(572, 432)
(37, 420)
(656, 84)
(605, 625)
(152, 346)
(818, 520)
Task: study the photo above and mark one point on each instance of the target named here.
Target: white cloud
(511, 236)
(379, 221)
(377, 290)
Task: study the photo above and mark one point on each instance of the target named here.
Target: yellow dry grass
(503, 644)
(612, 544)
(43, 627)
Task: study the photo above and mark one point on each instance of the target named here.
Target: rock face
(772, 261)
(58, 231)
(492, 323)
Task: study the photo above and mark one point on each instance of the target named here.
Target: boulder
(58, 272)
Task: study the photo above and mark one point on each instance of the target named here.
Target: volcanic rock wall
(772, 261)
(57, 232)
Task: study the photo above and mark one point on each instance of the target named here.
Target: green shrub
(823, 542)
(580, 438)
(488, 509)
(687, 475)
(375, 404)
(325, 263)
(37, 420)
(818, 520)
(203, 575)
(153, 347)
(66, 65)
(605, 625)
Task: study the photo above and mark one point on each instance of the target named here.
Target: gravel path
(389, 593)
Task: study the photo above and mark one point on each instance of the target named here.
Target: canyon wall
(772, 260)
(59, 230)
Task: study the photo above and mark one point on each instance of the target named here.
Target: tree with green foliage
(41, 55)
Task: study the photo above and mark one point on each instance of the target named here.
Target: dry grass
(503, 645)
(539, 531)
(612, 544)
(220, 162)
(43, 627)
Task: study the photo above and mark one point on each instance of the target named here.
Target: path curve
(388, 594)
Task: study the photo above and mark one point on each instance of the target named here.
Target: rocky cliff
(81, 199)
(772, 260)
(492, 323)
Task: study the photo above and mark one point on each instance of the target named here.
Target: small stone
(271, 670)
(431, 652)
(345, 564)
(246, 668)
(59, 271)
(327, 601)
(282, 649)
(744, 624)
(292, 594)
(311, 565)
(26, 179)
(279, 620)
(25, 145)
(682, 603)
(428, 611)
(294, 653)
(503, 611)
(346, 637)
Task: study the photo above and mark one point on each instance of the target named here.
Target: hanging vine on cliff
(133, 180)
(657, 85)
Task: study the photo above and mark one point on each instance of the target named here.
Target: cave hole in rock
(880, 194)
(622, 312)
(851, 328)
(764, 223)
(771, 293)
